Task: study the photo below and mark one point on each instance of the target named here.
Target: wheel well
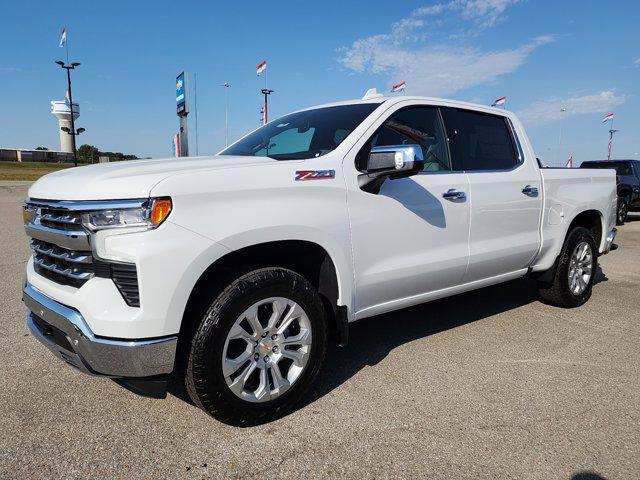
(306, 258)
(591, 220)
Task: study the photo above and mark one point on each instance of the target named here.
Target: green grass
(34, 165)
(29, 170)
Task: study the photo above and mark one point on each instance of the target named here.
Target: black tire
(204, 379)
(558, 292)
(623, 211)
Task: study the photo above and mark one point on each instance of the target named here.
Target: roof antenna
(372, 93)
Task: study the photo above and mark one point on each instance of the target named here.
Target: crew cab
(628, 180)
(233, 272)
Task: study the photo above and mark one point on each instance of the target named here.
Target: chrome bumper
(64, 331)
(608, 242)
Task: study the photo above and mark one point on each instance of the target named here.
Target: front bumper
(64, 331)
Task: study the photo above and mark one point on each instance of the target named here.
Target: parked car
(235, 271)
(628, 181)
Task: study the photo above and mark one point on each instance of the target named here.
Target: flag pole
(562, 110)
(266, 92)
(226, 86)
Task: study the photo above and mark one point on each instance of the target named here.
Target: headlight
(147, 215)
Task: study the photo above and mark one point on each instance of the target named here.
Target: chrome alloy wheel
(580, 268)
(266, 349)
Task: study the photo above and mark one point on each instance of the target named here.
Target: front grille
(61, 219)
(68, 267)
(62, 249)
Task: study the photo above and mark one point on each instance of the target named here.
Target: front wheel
(258, 348)
(577, 264)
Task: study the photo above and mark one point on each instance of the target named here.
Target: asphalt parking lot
(489, 384)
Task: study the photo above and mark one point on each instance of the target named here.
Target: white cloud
(435, 70)
(484, 13)
(438, 69)
(549, 110)
(637, 61)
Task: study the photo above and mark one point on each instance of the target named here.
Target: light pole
(562, 110)
(226, 86)
(266, 92)
(76, 133)
(611, 132)
(73, 130)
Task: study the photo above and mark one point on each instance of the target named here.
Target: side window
(479, 141)
(412, 126)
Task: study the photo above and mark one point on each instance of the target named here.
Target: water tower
(62, 112)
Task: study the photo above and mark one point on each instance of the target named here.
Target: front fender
(340, 257)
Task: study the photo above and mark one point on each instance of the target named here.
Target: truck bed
(566, 193)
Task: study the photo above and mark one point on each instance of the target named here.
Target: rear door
(505, 195)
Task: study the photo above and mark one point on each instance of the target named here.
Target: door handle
(530, 191)
(453, 194)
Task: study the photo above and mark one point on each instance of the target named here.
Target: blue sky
(543, 55)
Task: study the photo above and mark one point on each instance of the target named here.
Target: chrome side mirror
(391, 161)
(395, 159)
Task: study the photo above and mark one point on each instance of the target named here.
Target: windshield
(300, 135)
(621, 168)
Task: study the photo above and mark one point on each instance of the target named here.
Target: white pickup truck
(235, 271)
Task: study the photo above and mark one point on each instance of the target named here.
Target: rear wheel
(258, 348)
(623, 210)
(573, 280)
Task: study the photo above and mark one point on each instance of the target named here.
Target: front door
(408, 239)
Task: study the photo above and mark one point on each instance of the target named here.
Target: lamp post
(226, 86)
(73, 130)
(611, 132)
(266, 92)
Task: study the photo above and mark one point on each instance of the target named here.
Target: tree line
(91, 154)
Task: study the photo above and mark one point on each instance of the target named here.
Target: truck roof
(393, 99)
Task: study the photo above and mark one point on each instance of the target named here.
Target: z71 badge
(315, 174)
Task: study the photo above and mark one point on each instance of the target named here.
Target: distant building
(60, 109)
(28, 155)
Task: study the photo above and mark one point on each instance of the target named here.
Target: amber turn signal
(160, 210)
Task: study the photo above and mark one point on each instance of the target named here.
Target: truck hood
(128, 179)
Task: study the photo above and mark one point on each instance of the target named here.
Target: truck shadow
(372, 339)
